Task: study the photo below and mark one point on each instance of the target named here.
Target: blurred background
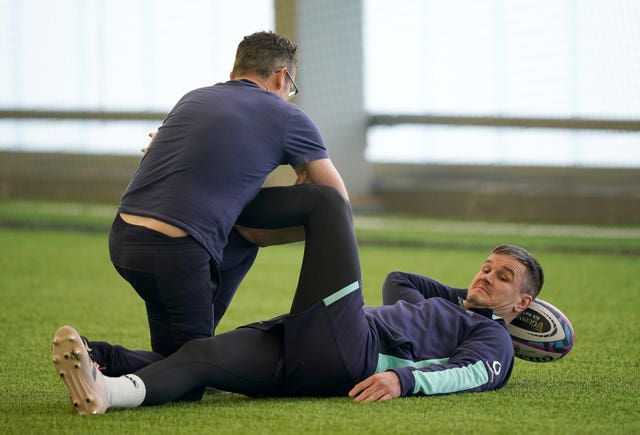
(471, 109)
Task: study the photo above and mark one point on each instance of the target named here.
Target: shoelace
(91, 355)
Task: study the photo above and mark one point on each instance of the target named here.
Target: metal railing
(631, 125)
(505, 121)
(82, 115)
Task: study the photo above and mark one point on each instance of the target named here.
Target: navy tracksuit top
(433, 343)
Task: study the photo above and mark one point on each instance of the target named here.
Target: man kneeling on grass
(428, 338)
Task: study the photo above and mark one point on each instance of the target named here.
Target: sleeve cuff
(407, 381)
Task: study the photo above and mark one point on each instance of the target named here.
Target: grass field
(51, 278)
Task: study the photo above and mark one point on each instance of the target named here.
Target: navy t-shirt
(212, 155)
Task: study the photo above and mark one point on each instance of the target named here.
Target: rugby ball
(541, 333)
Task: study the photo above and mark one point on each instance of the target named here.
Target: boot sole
(71, 361)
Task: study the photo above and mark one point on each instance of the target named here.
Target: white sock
(127, 391)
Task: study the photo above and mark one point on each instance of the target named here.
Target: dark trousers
(177, 281)
(185, 294)
(258, 361)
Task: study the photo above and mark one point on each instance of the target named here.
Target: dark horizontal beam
(83, 115)
(376, 119)
(518, 122)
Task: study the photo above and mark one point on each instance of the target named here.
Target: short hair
(263, 53)
(535, 277)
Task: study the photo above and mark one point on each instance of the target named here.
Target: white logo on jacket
(497, 367)
(494, 369)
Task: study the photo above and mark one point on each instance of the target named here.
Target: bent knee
(332, 197)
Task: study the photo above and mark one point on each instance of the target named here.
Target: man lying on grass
(427, 339)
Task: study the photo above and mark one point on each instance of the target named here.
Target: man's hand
(152, 136)
(302, 178)
(381, 386)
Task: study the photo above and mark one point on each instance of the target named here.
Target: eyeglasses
(294, 91)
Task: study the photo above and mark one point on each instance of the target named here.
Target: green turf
(52, 278)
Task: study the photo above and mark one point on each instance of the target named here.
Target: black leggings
(247, 360)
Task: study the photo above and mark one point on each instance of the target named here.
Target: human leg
(246, 361)
(331, 261)
(327, 337)
(175, 278)
(238, 257)
(178, 296)
(116, 360)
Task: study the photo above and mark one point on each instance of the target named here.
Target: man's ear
(281, 79)
(523, 303)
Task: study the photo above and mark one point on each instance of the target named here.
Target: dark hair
(535, 279)
(263, 53)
